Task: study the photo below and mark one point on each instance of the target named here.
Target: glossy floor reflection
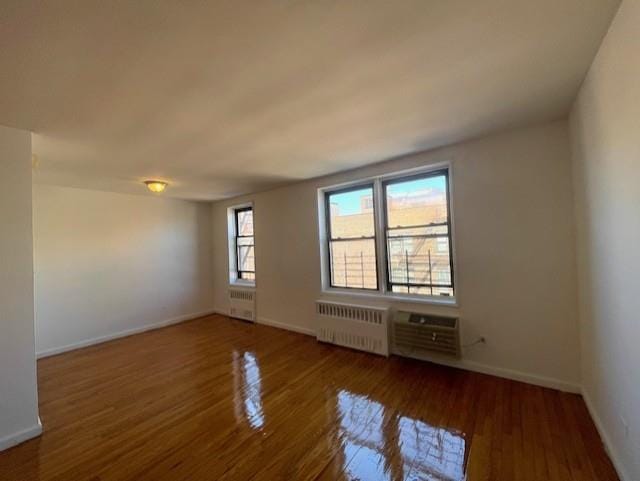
(247, 389)
(217, 399)
(382, 446)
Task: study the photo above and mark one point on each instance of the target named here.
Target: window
(397, 228)
(351, 238)
(245, 261)
(417, 236)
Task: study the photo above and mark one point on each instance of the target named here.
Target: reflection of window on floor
(380, 444)
(431, 453)
(247, 389)
(361, 422)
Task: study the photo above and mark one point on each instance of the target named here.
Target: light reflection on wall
(379, 444)
(247, 383)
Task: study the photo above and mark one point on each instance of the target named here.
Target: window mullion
(381, 249)
(237, 225)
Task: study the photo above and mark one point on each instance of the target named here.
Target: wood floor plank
(219, 399)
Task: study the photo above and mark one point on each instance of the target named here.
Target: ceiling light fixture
(156, 186)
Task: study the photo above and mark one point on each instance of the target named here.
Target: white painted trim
(288, 327)
(606, 440)
(271, 323)
(241, 284)
(125, 333)
(21, 436)
(514, 375)
(500, 372)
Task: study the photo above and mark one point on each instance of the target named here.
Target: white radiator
(358, 327)
(242, 304)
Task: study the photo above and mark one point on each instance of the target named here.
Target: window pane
(400, 289)
(419, 260)
(351, 214)
(417, 202)
(245, 241)
(245, 222)
(442, 291)
(246, 258)
(431, 230)
(353, 264)
(425, 291)
(418, 237)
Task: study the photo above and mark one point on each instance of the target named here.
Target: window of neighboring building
(351, 238)
(242, 245)
(408, 242)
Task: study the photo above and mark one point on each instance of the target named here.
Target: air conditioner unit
(425, 335)
(242, 304)
(358, 327)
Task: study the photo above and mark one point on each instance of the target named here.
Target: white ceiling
(227, 97)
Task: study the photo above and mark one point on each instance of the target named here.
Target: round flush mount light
(155, 186)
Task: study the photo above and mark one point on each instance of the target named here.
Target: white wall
(18, 383)
(605, 125)
(513, 209)
(109, 263)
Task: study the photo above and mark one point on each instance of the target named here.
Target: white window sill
(244, 284)
(378, 296)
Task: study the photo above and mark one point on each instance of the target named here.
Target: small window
(351, 237)
(245, 261)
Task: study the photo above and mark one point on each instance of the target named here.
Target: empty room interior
(320, 240)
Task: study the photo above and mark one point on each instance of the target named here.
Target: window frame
(237, 236)
(232, 245)
(329, 237)
(384, 183)
(379, 207)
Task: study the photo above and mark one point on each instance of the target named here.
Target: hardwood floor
(218, 399)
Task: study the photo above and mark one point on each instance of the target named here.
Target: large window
(245, 261)
(351, 238)
(396, 227)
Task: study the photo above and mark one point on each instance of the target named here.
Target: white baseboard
(125, 333)
(535, 379)
(542, 381)
(606, 440)
(21, 436)
(220, 310)
(502, 372)
(288, 327)
(270, 322)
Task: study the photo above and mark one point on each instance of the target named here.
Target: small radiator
(416, 334)
(242, 304)
(357, 327)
